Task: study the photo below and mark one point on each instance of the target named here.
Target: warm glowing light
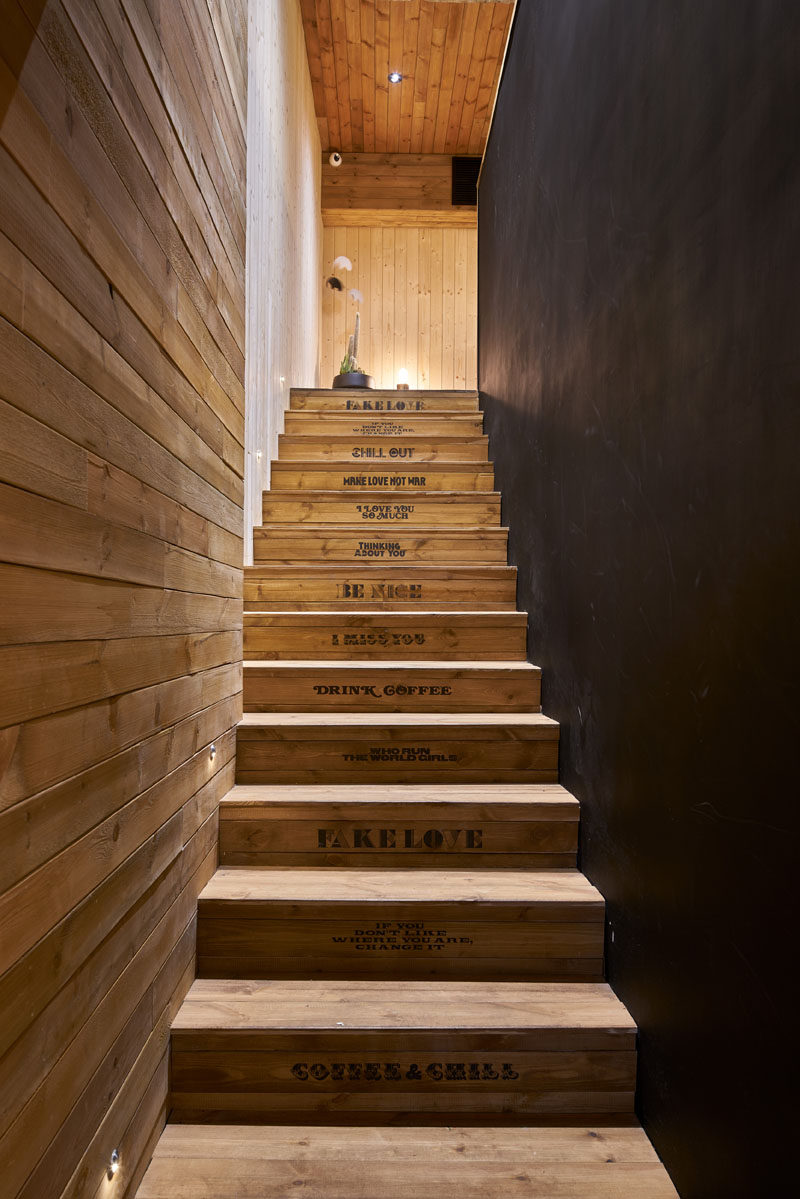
(395, 77)
(113, 1165)
(213, 751)
(402, 375)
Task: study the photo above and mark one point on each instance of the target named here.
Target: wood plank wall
(419, 309)
(284, 236)
(122, 244)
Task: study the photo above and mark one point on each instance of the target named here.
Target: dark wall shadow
(18, 25)
(639, 256)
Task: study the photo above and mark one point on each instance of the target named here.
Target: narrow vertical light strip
(284, 235)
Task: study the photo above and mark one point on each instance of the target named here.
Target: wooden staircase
(400, 970)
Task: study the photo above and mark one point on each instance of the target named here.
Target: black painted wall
(639, 326)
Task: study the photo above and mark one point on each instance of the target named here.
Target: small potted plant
(349, 374)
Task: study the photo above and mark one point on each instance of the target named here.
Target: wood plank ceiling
(449, 54)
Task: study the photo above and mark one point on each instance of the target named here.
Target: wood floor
(400, 969)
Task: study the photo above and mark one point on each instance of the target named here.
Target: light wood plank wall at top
(122, 246)
(419, 309)
(284, 236)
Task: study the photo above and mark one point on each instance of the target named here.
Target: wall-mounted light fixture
(402, 379)
(113, 1164)
(212, 750)
(395, 77)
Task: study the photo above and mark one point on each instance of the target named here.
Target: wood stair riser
(390, 588)
(319, 687)
(377, 511)
(402, 827)
(488, 1077)
(302, 476)
(370, 452)
(245, 1076)
(361, 545)
(386, 635)
(384, 945)
(423, 754)
(383, 424)
(347, 400)
(406, 842)
(418, 761)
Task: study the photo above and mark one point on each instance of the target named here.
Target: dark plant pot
(354, 379)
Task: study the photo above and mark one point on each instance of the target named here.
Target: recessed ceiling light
(395, 77)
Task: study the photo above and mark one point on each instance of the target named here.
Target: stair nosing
(413, 664)
(253, 719)
(442, 885)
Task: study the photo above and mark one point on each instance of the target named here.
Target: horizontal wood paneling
(387, 181)
(419, 309)
(122, 330)
(449, 55)
(393, 189)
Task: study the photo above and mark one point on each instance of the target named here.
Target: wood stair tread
(305, 1046)
(378, 392)
(446, 467)
(364, 923)
(414, 570)
(531, 723)
(508, 826)
(396, 747)
(512, 798)
(390, 413)
(215, 1161)
(425, 665)
(581, 1015)
(460, 531)
(343, 410)
(295, 419)
(474, 469)
(312, 495)
(565, 893)
(455, 436)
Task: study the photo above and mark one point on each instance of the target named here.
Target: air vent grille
(465, 180)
